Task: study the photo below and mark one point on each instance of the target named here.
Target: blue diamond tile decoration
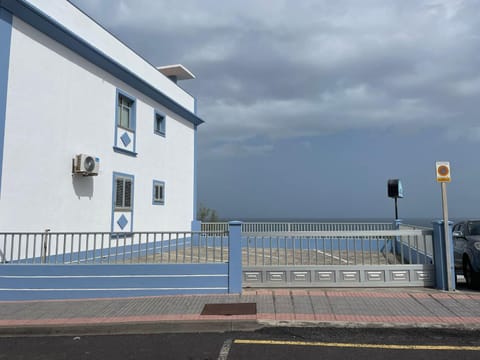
(122, 222)
(125, 139)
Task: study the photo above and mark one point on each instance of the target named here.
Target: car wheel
(472, 278)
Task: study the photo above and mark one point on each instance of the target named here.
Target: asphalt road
(272, 343)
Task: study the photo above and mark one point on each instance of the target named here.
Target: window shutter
(119, 193)
(128, 193)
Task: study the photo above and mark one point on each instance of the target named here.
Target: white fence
(268, 227)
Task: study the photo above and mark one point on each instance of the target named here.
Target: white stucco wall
(84, 27)
(59, 105)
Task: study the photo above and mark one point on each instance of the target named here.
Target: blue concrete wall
(27, 282)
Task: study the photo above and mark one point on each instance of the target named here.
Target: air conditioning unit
(86, 165)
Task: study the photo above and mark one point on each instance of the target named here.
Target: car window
(474, 227)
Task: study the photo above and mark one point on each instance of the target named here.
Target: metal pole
(447, 237)
(396, 209)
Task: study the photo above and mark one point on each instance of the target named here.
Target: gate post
(196, 225)
(235, 257)
(440, 241)
(196, 229)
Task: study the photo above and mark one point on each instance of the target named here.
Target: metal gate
(335, 255)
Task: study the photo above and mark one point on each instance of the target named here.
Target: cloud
(467, 87)
(274, 70)
(238, 149)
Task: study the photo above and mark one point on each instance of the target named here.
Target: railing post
(396, 240)
(440, 241)
(235, 257)
(44, 246)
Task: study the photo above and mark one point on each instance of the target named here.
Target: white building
(69, 87)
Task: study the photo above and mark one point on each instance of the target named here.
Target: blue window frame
(123, 203)
(123, 200)
(125, 124)
(159, 123)
(125, 112)
(158, 193)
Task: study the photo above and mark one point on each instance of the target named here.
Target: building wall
(59, 105)
(84, 27)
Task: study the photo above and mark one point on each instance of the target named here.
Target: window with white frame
(158, 192)
(159, 124)
(123, 193)
(125, 112)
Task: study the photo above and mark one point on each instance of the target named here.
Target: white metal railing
(113, 248)
(374, 247)
(352, 245)
(265, 227)
(214, 226)
(414, 227)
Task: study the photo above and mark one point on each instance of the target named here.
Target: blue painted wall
(27, 282)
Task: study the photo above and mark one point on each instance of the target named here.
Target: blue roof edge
(70, 40)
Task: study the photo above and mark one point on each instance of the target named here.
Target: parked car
(466, 247)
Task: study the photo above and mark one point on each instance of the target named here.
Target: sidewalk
(275, 307)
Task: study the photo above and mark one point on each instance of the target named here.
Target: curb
(212, 326)
(367, 325)
(208, 326)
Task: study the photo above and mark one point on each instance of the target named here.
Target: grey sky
(312, 105)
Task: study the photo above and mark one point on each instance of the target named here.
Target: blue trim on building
(5, 41)
(113, 202)
(158, 182)
(125, 152)
(47, 25)
(114, 185)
